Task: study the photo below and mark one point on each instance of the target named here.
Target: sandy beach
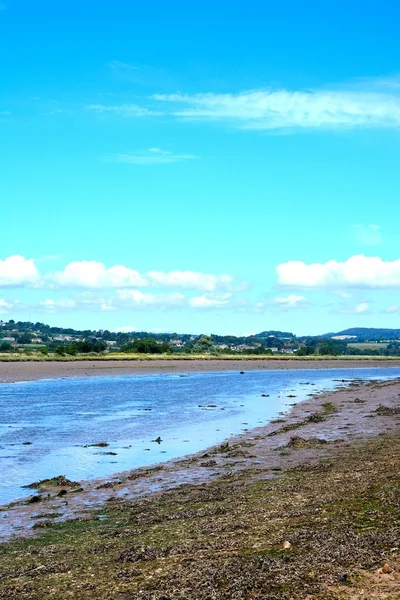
(31, 370)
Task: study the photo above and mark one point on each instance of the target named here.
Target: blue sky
(223, 167)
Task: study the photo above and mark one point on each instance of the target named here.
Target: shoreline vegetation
(304, 507)
(37, 357)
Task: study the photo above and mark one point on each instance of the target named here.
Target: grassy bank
(38, 357)
(320, 531)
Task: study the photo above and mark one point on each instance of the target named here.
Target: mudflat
(306, 507)
(45, 369)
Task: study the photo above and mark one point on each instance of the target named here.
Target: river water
(49, 427)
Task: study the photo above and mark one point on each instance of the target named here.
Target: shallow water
(47, 427)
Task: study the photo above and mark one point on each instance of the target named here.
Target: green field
(52, 357)
(368, 345)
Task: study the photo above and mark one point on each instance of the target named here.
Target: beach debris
(61, 493)
(58, 481)
(34, 499)
(208, 463)
(299, 442)
(387, 411)
(241, 373)
(316, 418)
(97, 445)
(26, 443)
(286, 545)
(264, 395)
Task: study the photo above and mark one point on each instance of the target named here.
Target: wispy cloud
(368, 235)
(393, 308)
(6, 306)
(122, 110)
(153, 156)
(282, 109)
(211, 301)
(140, 75)
(290, 302)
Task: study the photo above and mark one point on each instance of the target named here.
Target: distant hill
(369, 334)
(275, 334)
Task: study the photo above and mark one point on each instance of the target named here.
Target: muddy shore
(31, 370)
(311, 430)
(306, 507)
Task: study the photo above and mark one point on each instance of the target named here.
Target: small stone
(343, 577)
(386, 569)
(286, 545)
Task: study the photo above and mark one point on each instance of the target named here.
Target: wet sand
(31, 370)
(314, 429)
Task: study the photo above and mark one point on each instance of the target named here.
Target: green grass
(368, 345)
(38, 357)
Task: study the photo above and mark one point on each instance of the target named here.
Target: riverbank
(305, 507)
(45, 369)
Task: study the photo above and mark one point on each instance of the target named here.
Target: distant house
(36, 340)
(111, 343)
(344, 337)
(176, 343)
(64, 338)
(8, 339)
(241, 347)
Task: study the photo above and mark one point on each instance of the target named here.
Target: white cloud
(57, 305)
(290, 302)
(359, 309)
(125, 329)
(191, 280)
(357, 272)
(18, 271)
(93, 274)
(137, 299)
(268, 109)
(369, 235)
(210, 301)
(7, 306)
(259, 308)
(153, 156)
(393, 308)
(122, 110)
